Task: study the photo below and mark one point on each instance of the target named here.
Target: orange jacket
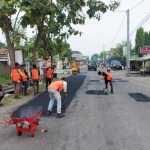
(109, 76)
(15, 75)
(35, 74)
(57, 85)
(24, 77)
(49, 73)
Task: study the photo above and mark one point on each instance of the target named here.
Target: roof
(3, 51)
(76, 52)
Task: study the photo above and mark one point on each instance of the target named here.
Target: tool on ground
(26, 119)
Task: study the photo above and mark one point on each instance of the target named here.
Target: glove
(65, 94)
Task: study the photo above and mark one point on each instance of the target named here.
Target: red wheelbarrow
(26, 119)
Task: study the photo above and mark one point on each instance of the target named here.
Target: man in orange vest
(48, 76)
(16, 78)
(54, 90)
(25, 79)
(108, 78)
(35, 75)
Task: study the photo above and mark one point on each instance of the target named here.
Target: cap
(63, 78)
(16, 64)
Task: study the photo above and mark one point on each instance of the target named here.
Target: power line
(137, 4)
(117, 30)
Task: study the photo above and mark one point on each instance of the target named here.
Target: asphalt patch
(73, 84)
(94, 80)
(123, 81)
(95, 92)
(139, 97)
(117, 78)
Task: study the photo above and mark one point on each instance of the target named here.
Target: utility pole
(128, 46)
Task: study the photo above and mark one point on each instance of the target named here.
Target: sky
(110, 30)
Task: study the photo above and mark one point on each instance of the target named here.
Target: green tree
(36, 13)
(103, 54)
(3, 45)
(139, 40)
(68, 54)
(146, 41)
(94, 57)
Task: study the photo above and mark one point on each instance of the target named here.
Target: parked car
(92, 66)
(117, 66)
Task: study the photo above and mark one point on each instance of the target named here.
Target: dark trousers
(25, 86)
(35, 86)
(106, 84)
(48, 82)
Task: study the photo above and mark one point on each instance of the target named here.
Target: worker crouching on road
(35, 75)
(54, 90)
(108, 78)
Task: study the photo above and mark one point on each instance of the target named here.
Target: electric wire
(117, 31)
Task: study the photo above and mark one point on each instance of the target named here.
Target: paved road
(93, 121)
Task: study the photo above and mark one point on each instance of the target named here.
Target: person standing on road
(48, 76)
(25, 79)
(16, 78)
(35, 75)
(54, 90)
(108, 78)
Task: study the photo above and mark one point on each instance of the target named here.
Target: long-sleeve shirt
(65, 86)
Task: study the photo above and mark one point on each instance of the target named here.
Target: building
(3, 55)
(76, 55)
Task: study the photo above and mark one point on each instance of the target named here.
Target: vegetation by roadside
(4, 79)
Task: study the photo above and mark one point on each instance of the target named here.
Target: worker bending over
(108, 78)
(54, 90)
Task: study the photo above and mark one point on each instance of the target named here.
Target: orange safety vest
(109, 76)
(35, 75)
(57, 85)
(49, 73)
(24, 77)
(15, 74)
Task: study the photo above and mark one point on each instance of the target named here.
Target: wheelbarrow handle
(6, 122)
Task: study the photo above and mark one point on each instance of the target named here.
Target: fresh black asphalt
(73, 84)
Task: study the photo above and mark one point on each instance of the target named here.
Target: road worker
(108, 78)
(48, 76)
(54, 90)
(25, 79)
(35, 75)
(16, 78)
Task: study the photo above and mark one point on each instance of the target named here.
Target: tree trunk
(40, 28)
(10, 49)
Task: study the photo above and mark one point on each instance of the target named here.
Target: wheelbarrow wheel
(19, 133)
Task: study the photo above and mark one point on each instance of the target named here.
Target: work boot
(49, 113)
(60, 115)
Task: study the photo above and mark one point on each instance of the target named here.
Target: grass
(10, 99)
(4, 79)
